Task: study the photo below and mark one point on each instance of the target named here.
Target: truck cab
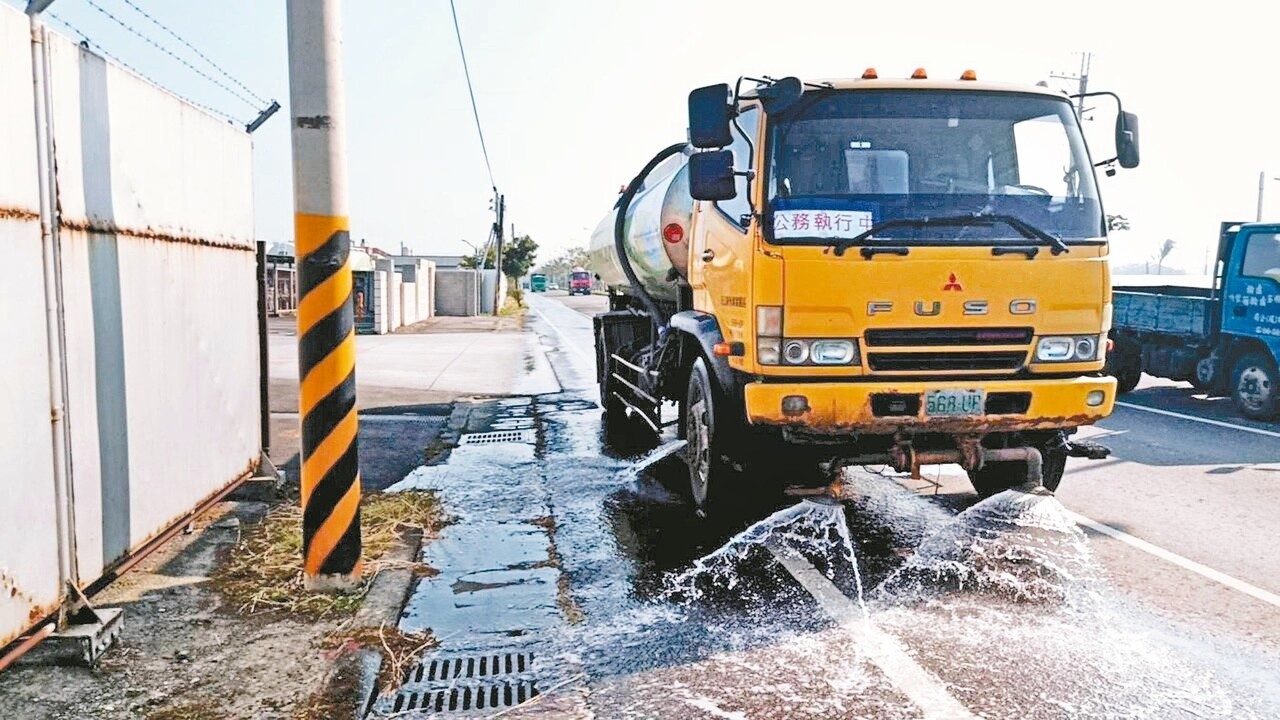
(579, 281)
(1224, 338)
(875, 271)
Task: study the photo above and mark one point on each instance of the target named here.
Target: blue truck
(1224, 339)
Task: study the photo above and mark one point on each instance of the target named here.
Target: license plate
(953, 402)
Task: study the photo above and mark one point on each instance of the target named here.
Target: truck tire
(1127, 378)
(995, 477)
(703, 431)
(615, 413)
(1205, 377)
(1255, 385)
(1125, 363)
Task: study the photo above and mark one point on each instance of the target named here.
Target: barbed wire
(116, 59)
(171, 54)
(194, 49)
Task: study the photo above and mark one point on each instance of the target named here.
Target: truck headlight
(1067, 348)
(795, 352)
(834, 352)
(1086, 348)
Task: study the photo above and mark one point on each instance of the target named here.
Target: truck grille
(934, 337)
(934, 361)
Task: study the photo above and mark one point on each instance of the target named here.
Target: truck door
(721, 255)
(1251, 287)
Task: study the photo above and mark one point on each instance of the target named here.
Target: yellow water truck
(866, 271)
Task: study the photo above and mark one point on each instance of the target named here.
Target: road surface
(1145, 589)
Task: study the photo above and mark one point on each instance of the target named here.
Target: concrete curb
(353, 681)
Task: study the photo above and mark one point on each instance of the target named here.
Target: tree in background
(1166, 247)
(518, 257)
(1117, 222)
(469, 261)
(558, 270)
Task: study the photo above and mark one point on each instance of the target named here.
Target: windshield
(581, 276)
(841, 162)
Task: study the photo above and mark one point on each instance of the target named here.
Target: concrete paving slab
(396, 370)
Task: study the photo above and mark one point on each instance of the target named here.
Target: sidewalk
(186, 651)
(435, 361)
(406, 383)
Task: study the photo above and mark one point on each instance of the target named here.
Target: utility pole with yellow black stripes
(326, 324)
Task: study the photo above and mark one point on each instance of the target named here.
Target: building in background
(282, 276)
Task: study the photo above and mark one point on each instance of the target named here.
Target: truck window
(1043, 158)
(1262, 256)
(740, 205)
(867, 156)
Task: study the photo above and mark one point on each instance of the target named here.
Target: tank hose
(619, 224)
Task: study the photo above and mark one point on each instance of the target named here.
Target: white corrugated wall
(160, 304)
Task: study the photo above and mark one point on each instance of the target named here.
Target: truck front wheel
(1125, 363)
(706, 467)
(1254, 386)
(996, 477)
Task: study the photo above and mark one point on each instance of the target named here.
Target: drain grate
(465, 697)
(499, 436)
(462, 684)
(470, 667)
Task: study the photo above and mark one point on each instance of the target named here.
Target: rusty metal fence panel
(29, 585)
(159, 295)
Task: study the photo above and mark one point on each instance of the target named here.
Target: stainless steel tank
(663, 201)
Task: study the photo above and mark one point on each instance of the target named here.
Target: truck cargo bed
(1167, 310)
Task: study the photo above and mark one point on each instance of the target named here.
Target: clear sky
(575, 95)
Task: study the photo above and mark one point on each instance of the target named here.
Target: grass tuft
(264, 572)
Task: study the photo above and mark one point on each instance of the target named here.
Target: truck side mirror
(711, 176)
(709, 116)
(1127, 139)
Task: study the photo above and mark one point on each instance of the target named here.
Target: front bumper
(842, 408)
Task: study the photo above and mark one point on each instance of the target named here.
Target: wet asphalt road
(936, 607)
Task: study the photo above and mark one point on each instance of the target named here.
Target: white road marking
(568, 344)
(884, 650)
(1206, 421)
(1178, 560)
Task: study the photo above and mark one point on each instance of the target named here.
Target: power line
(171, 54)
(471, 92)
(194, 49)
(116, 59)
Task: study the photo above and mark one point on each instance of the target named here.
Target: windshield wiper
(1026, 230)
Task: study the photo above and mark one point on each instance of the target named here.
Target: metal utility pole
(51, 256)
(497, 281)
(1262, 186)
(326, 323)
(1082, 79)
